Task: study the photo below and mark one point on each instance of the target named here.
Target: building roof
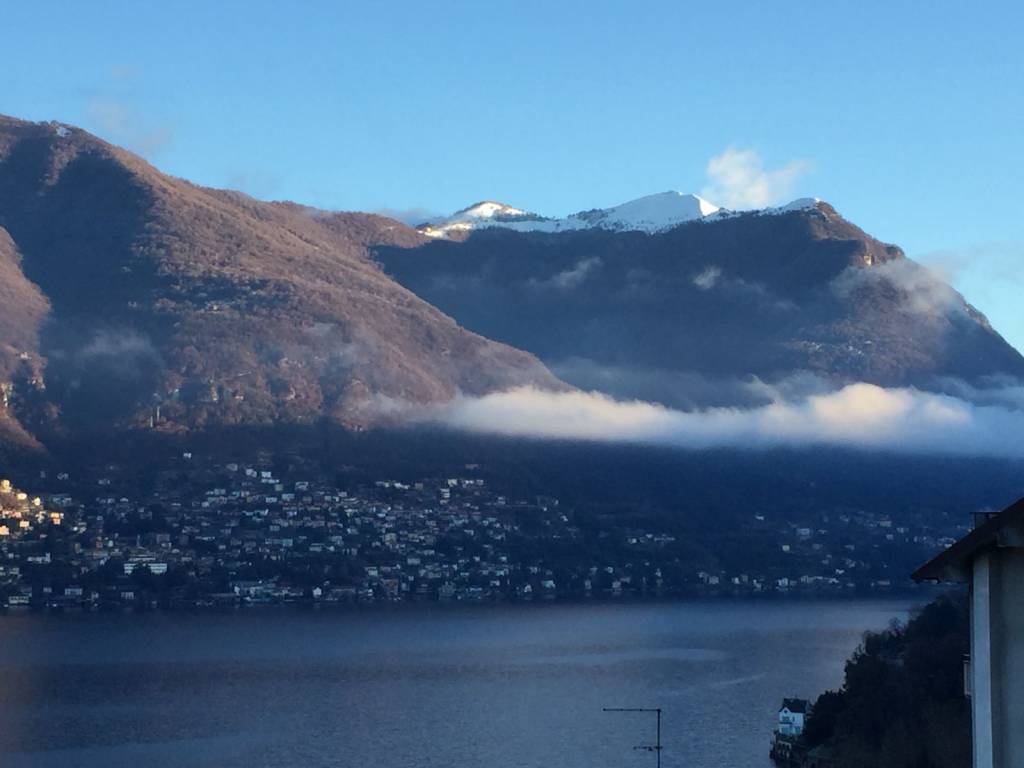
(798, 706)
(1005, 528)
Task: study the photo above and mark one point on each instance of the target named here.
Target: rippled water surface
(417, 687)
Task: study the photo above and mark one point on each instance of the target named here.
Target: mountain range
(672, 299)
(130, 299)
(134, 298)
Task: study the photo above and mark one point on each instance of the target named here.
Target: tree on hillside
(902, 703)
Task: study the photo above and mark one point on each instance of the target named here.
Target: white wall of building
(790, 723)
(981, 663)
(997, 658)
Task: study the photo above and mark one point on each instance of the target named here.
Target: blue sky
(907, 116)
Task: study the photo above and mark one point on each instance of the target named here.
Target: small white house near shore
(791, 716)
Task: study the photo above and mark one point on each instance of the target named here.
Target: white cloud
(570, 278)
(737, 179)
(925, 290)
(706, 279)
(712, 278)
(997, 261)
(992, 275)
(689, 390)
(127, 343)
(998, 390)
(856, 416)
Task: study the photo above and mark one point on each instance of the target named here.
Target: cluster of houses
(233, 533)
(212, 532)
(21, 517)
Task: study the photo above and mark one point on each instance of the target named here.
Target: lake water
(418, 687)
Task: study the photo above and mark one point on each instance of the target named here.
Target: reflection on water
(416, 687)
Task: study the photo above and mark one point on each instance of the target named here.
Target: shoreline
(921, 594)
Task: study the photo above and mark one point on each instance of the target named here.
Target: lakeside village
(244, 533)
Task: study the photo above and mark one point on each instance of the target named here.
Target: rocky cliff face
(128, 297)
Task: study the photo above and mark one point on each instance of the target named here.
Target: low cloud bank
(687, 390)
(856, 416)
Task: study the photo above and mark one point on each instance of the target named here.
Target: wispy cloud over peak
(737, 179)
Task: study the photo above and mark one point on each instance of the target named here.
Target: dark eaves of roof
(953, 564)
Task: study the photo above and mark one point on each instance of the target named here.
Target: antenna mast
(656, 746)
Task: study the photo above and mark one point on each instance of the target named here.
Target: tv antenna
(656, 746)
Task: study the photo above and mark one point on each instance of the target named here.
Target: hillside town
(236, 533)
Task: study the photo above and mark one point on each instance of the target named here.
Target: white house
(785, 740)
(791, 716)
(990, 559)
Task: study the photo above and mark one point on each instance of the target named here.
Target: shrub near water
(902, 703)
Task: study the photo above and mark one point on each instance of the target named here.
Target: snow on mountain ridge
(652, 213)
(800, 204)
(488, 209)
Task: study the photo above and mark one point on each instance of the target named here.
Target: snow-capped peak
(801, 204)
(488, 209)
(653, 213)
(488, 213)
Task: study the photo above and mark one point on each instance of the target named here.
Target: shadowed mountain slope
(682, 315)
